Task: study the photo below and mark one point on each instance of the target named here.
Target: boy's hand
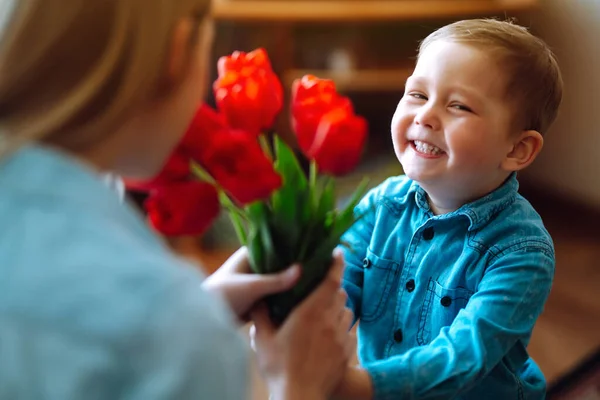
(241, 288)
(355, 385)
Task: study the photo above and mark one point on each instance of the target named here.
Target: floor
(568, 331)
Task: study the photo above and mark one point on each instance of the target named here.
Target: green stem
(202, 174)
(264, 143)
(226, 202)
(235, 215)
(239, 229)
(235, 210)
(230, 205)
(312, 185)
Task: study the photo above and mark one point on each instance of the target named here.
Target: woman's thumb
(267, 284)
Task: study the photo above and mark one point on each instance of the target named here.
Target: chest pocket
(440, 306)
(378, 280)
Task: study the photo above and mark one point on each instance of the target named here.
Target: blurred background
(368, 49)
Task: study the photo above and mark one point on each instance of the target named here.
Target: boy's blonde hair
(534, 79)
(71, 72)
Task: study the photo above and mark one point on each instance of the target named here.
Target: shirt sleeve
(182, 346)
(357, 240)
(189, 349)
(496, 322)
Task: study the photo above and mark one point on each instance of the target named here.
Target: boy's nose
(427, 118)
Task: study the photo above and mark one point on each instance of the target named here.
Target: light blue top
(93, 305)
(447, 303)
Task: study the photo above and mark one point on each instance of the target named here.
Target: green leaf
(289, 201)
(326, 202)
(255, 251)
(258, 214)
(316, 267)
(312, 186)
(271, 259)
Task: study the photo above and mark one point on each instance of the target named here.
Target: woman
(92, 304)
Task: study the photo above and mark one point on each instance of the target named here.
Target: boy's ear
(526, 148)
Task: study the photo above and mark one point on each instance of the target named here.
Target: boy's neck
(442, 208)
(443, 202)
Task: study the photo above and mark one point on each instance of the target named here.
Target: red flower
(207, 125)
(185, 208)
(311, 99)
(339, 142)
(247, 91)
(327, 129)
(176, 169)
(237, 162)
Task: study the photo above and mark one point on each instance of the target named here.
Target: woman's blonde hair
(71, 72)
(534, 81)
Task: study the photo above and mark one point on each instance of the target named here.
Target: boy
(451, 267)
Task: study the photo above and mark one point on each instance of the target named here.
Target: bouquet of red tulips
(227, 161)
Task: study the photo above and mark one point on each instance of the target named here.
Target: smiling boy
(450, 267)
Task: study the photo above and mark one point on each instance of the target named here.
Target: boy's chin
(420, 176)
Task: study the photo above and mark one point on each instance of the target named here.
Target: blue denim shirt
(93, 305)
(447, 303)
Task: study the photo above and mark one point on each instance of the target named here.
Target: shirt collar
(480, 211)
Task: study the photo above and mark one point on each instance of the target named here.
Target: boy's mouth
(426, 148)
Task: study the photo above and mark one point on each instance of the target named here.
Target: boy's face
(454, 125)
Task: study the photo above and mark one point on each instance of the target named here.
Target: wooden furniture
(357, 10)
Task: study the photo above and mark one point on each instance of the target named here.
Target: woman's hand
(307, 356)
(241, 288)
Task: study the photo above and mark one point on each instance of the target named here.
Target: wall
(570, 161)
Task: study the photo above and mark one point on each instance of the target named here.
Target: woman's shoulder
(96, 271)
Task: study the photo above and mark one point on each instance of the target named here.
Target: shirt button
(366, 263)
(398, 336)
(446, 301)
(410, 285)
(428, 233)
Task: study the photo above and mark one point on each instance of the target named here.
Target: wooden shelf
(361, 10)
(371, 80)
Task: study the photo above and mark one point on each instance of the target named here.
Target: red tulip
(339, 142)
(247, 91)
(237, 162)
(207, 125)
(186, 208)
(327, 129)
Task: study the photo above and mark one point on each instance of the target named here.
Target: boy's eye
(419, 96)
(461, 107)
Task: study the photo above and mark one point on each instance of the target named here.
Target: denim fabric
(446, 304)
(93, 305)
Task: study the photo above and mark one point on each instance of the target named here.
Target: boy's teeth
(426, 148)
